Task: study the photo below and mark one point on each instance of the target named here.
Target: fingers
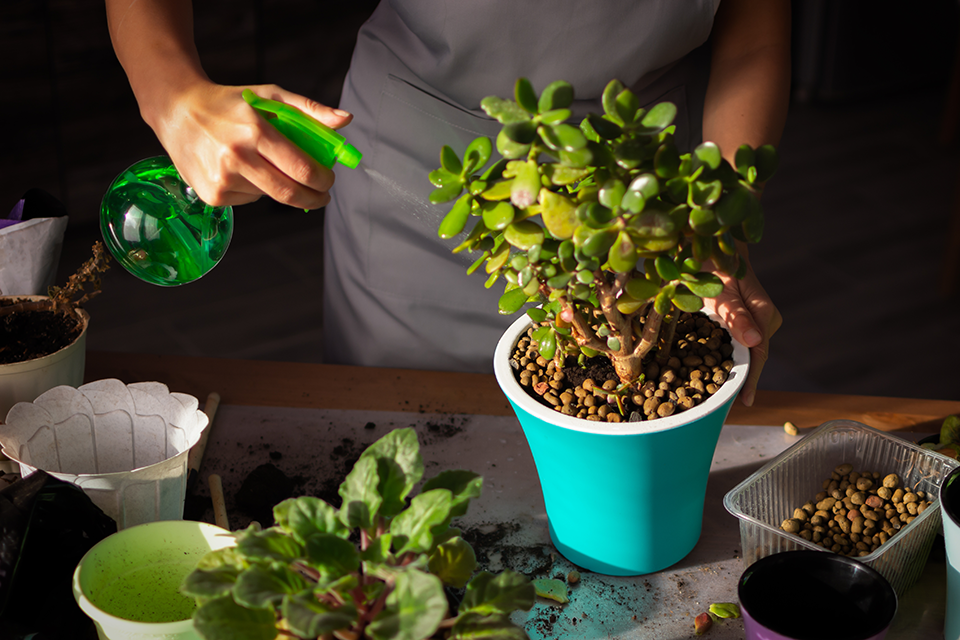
(330, 116)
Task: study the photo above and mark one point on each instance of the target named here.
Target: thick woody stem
(651, 333)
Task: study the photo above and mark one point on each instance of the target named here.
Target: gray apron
(394, 295)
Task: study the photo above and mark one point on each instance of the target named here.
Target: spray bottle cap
(319, 141)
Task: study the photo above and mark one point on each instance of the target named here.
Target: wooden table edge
(324, 386)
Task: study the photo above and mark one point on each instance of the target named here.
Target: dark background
(857, 253)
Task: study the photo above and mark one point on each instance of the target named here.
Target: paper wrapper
(126, 446)
(29, 255)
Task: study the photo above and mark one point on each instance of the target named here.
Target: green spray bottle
(160, 231)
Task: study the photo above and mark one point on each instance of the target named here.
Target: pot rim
(518, 395)
(42, 360)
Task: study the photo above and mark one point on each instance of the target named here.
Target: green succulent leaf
(511, 301)
(708, 154)
(767, 162)
(667, 268)
(446, 193)
(449, 160)
(744, 158)
(705, 194)
(521, 132)
(511, 149)
(477, 155)
(504, 111)
(662, 303)
(705, 285)
(736, 206)
(524, 234)
(561, 175)
(579, 158)
(704, 222)
(441, 177)
(687, 302)
(498, 594)
(456, 219)
(622, 256)
(309, 617)
(497, 215)
(651, 225)
(609, 99)
(556, 116)
(224, 619)
(261, 587)
(660, 116)
(642, 289)
(525, 96)
(666, 161)
(551, 588)
(537, 314)
(627, 105)
(557, 95)
(647, 185)
(414, 609)
(498, 190)
(525, 187)
(604, 128)
(599, 243)
(546, 339)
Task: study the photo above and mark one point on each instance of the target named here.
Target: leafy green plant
(374, 568)
(606, 225)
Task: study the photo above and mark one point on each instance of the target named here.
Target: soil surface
(699, 361)
(26, 335)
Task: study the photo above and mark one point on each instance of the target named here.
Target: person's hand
(752, 317)
(231, 155)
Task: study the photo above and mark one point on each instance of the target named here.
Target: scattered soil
(699, 363)
(26, 335)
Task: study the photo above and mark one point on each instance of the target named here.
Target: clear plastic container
(769, 496)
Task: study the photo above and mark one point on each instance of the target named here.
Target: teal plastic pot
(129, 583)
(950, 504)
(621, 499)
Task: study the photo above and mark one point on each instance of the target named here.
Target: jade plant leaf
(660, 116)
(504, 111)
(744, 158)
(456, 219)
(511, 149)
(511, 301)
(557, 95)
(708, 154)
(623, 254)
(497, 215)
(414, 609)
(446, 193)
(604, 128)
(525, 96)
(687, 301)
(450, 161)
(524, 235)
(642, 289)
(224, 619)
(476, 155)
(667, 268)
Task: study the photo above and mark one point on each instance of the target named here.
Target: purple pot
(814, 595)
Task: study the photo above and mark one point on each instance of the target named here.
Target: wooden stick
(219, 504)
(195, 457)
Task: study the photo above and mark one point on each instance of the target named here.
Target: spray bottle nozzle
(322, 143)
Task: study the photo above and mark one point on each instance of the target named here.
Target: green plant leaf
(744, 159)
(361, 499)
(525, 187)
(950, 430)
(511, 149)
(399, 467)
(736, 206)
(446, 193)
(537, 314)
(705, 285)
(552, 589)
(498, 594)
(660, 116)
(453, 562)
(309, 617)
(622, 256)
(558, 214)
(568, 137)
(595, 215)
(477, 155)
(456, 219)
(511, 301)
(547, 343)
(226, 557)
(557, 116)
(504, 111)
(262, 587)
(667, 268)
(647, 185)
(651, 225)
(626, 105)
(687, 301)
(441, 177)
(474, 626)
(666, 161)
(611, 193)
(223, 619)
(268, 545)
(579, 158)
(307, 515)
(333, 556)
(708, 154)
(463, 485)
(704, 222)
(557, 95)
(450, 161)
(705, 194)
(524, 235)
(604, 128)
(642, 289)
(767, 162)
(414, 609)
(209, 583)
(609, 99)
(525, 96)
(412, 529)
(497, 215)
(599, 243)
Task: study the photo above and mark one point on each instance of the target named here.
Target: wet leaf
(441, 177)
(446, 193)
(504, 111)
(477, 155)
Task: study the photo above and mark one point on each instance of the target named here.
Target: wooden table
(300, 415)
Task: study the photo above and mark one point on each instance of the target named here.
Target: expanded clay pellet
(856, 512)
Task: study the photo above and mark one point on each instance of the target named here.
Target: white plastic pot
(24, 381)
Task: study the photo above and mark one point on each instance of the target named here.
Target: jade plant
(379, 567)
(606, 227)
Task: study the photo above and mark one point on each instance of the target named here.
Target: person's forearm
(749, 90)
(153, 40)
